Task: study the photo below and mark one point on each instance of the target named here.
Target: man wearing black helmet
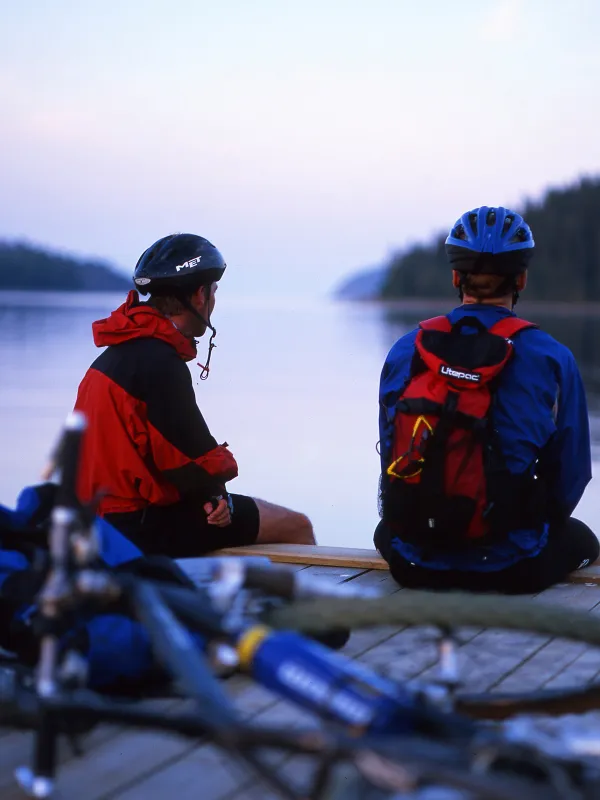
(484, 432)
(149, 458)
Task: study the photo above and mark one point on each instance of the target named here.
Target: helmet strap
(206, 367)
(211, 345)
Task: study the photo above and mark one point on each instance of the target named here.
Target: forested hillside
(566, 266)
(24, 266)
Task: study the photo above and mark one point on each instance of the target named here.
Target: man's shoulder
(146, 352)
(140, 365)
(404, 346)
(538, 342)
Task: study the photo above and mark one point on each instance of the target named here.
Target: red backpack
(446, 485)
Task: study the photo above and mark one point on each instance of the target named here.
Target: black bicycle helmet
(179, 263)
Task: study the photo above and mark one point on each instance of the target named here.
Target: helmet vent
(491, 217)
(521, 235)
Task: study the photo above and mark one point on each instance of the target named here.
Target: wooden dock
(127, 765)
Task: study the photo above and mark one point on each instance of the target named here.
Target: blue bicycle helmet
(489, 240)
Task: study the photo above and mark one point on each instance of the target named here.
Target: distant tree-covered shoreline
(566, 266)
(28, 267)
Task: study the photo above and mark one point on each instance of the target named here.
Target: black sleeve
(183, 448)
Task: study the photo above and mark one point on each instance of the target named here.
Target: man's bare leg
(279, 525)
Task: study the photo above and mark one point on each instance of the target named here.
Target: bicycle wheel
(453, 610)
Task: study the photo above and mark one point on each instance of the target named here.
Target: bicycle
(392, 737)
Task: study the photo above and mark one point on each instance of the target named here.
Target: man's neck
(182, 323)
(503, 302)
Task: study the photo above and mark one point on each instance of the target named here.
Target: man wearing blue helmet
(484, 432)
(149, 459)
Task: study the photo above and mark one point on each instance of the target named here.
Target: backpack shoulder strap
(510, 326)
(441, 324)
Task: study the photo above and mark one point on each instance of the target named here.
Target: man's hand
(220, 516)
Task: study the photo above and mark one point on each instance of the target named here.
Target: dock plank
(338, 573)
(184, 773)
(541, 667)
(16, 749)
(317, 555)
(128, 756)
(363, 640)
(569, 595)
(557, 656)
(581, 671)
(207, 773)
(376, 579)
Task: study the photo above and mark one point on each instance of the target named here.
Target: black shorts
(180, 530)
(571, 545)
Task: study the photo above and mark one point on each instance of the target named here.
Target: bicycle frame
(367, 708)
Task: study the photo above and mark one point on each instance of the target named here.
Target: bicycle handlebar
(283, 582)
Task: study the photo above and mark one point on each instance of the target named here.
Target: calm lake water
(293, 390)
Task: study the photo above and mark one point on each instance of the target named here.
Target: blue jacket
(540, 403)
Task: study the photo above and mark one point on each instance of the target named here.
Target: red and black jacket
(147, 442)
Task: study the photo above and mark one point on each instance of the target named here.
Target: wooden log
(314, 555)
(356, 557)
(586, 575)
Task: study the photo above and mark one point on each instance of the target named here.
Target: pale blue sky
(305, 139)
